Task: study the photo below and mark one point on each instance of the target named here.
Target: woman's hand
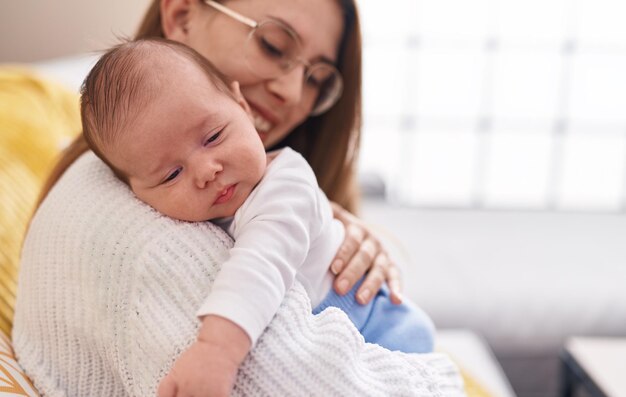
(362, 252)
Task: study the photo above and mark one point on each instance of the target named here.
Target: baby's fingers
(167, 387)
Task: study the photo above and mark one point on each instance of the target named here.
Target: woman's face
(279, 104)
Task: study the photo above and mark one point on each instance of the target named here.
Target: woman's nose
(206, 170)
(288, 87)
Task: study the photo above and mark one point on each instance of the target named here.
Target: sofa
(524, 281)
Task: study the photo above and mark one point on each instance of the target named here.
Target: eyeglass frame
(251, 23)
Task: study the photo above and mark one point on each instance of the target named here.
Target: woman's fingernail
(364, 295)
(336, 266)
(343, 286)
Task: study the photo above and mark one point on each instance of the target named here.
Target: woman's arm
(120, 285)
(297, 353)
(363, 254)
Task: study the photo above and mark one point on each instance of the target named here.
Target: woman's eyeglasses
(272, 49)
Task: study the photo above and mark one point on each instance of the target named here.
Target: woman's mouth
(261, 123)
(226, 194)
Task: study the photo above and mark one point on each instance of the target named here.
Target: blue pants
(402, 327)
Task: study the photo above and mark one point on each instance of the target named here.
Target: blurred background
(493, 156)
(35, 30)
(497, 104)
(485, 104)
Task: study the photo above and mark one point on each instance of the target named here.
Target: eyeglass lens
(272, 51)
(274, 47)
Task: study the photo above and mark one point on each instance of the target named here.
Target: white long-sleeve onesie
(283, 231)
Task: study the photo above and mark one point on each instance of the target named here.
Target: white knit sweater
(107, 297)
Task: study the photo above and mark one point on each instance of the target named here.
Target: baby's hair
(122, 82)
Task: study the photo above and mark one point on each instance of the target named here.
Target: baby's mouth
(226, 194)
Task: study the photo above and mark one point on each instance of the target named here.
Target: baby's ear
(234, 88)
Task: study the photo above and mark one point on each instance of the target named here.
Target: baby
(167, 124)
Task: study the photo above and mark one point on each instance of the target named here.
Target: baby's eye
(173, 175)
(213, 138)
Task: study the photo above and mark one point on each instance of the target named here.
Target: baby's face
(193, 153)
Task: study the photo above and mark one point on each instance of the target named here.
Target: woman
(329, 141)
(108, 289)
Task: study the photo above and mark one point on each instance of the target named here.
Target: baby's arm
(272, 241)
(272, 232)
(209, 366)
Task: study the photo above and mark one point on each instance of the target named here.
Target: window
(496, 104)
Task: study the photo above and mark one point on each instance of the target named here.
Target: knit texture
(107, 296)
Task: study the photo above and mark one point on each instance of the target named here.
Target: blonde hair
(330, 142)
(122, 82)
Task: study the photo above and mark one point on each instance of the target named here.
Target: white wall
(33, 30)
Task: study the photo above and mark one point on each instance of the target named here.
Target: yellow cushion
(473, 388)
(37, 118)
(13, 381)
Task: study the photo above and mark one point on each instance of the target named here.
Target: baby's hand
(202, 370)
(209, 366)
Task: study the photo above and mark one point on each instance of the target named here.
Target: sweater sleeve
(273, 233)
(107, 300)
(325, 355)
(298, 353)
